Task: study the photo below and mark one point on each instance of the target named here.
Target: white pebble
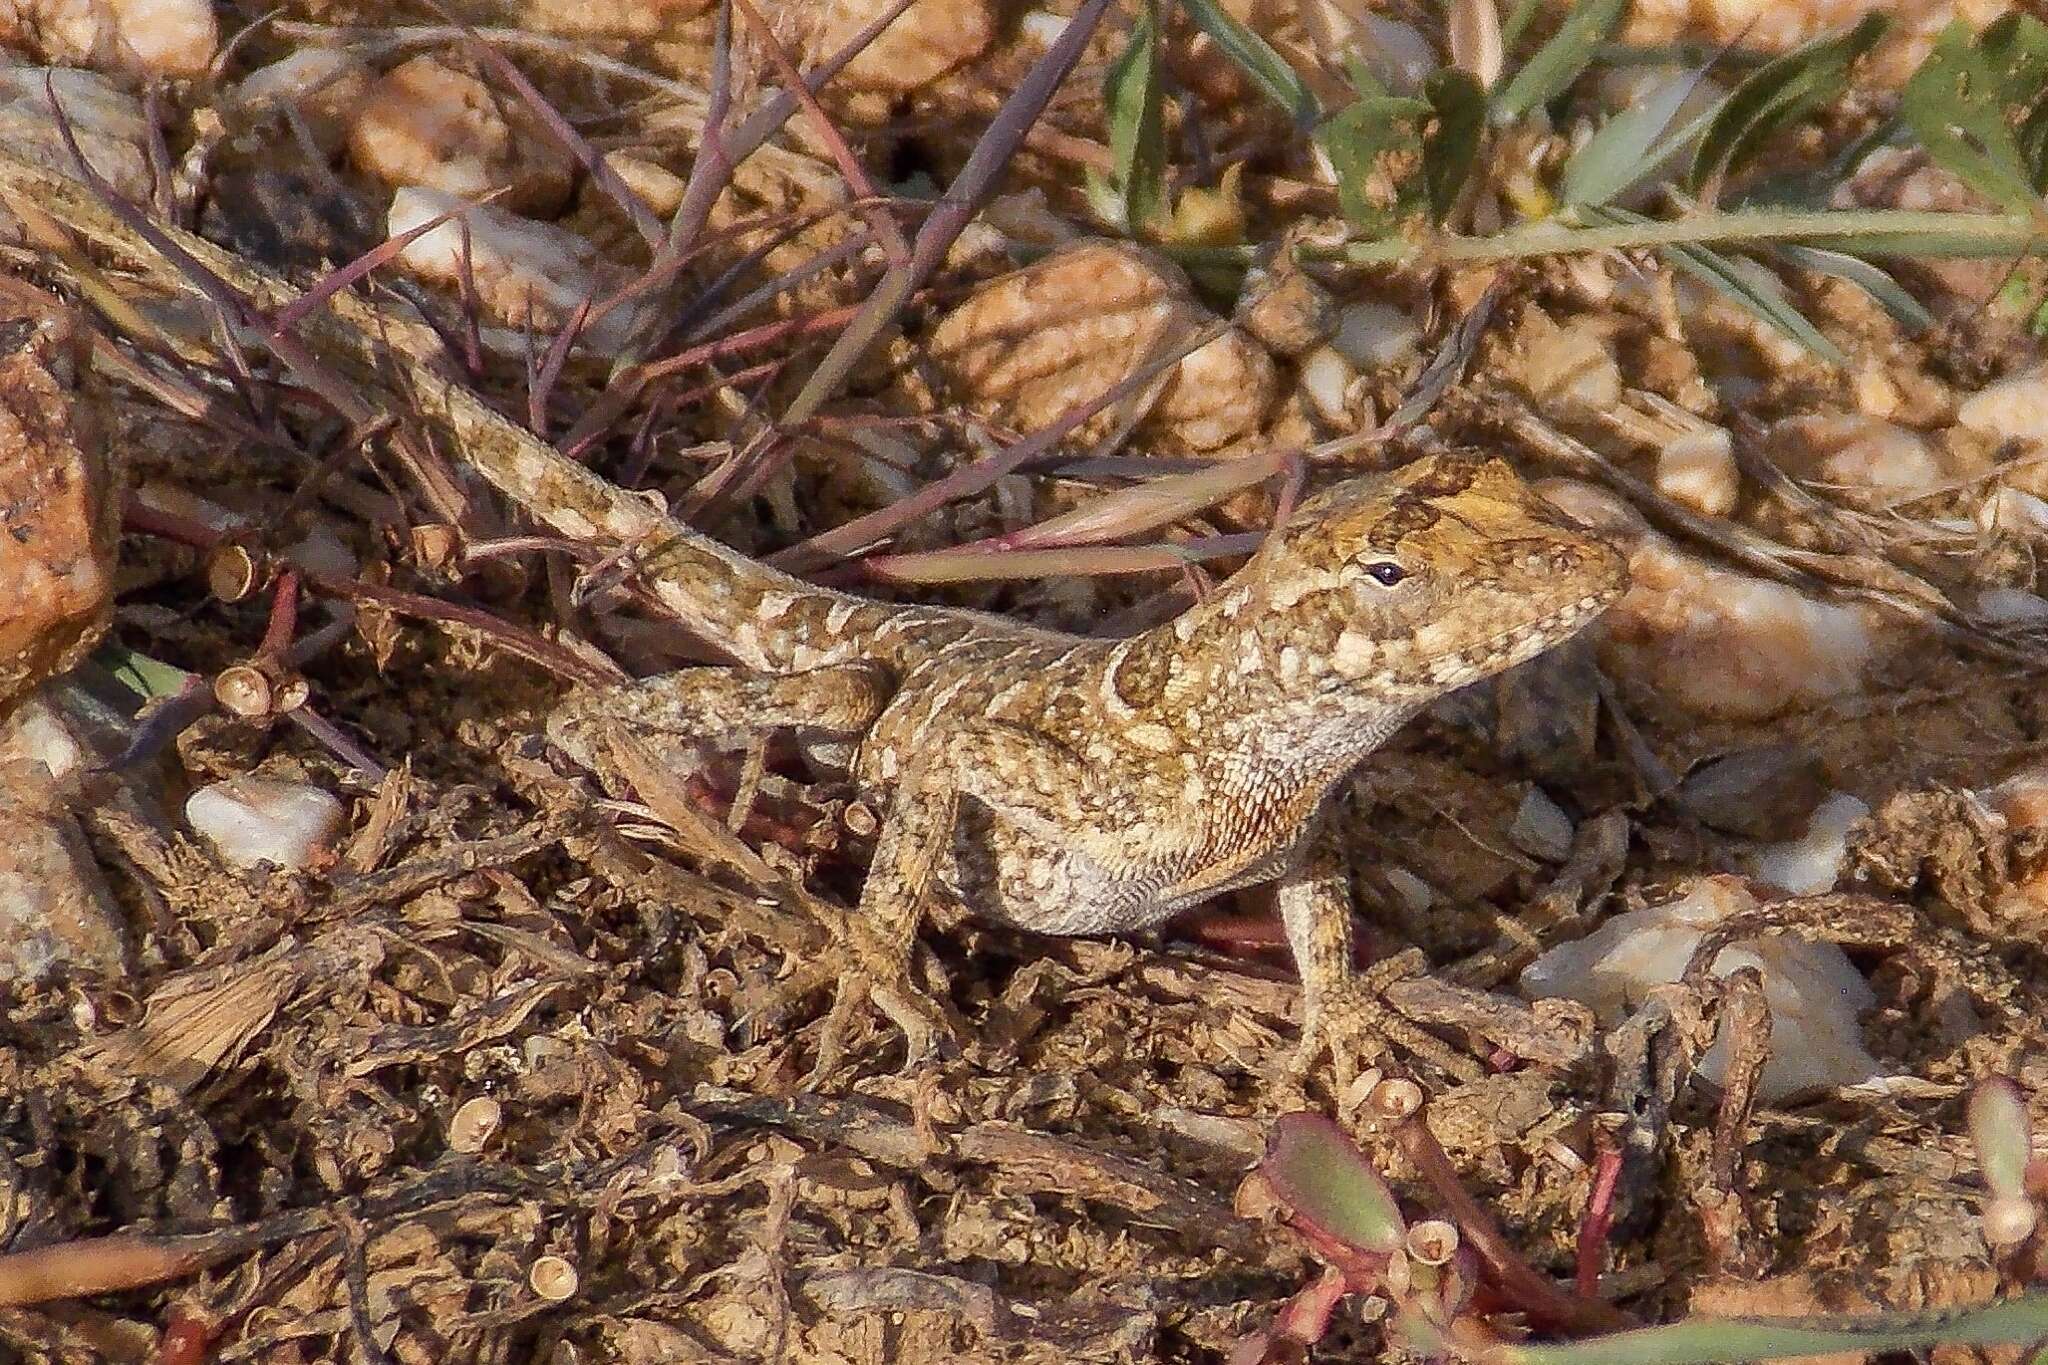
(38, 732)
(1325, 379)
(1810, 864)
(251, 820)
(2013, 409)
(1721, 643)
(1397, 53)
(1852, 452)
(519, 267)
(2013, 607)
(1374, 335)
(1697, 467)
(2013, 511)
(1814, 992)
(326, 85)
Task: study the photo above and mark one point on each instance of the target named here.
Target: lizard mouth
(1501, 650)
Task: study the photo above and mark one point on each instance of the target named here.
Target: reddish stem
(284, 616)
(1513, 1275)
(1599, 1217)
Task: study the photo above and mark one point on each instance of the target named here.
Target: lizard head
(1439, 573)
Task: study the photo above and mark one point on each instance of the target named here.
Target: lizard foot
(1358, 1030)
(880, 974)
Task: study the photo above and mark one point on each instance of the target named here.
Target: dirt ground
(519, 1069)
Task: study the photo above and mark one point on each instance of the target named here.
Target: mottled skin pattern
(1066, 785)
(1076, 786)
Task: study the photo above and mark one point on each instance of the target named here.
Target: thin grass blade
(1560, 61)
(1256, 57)
(1707, 1341)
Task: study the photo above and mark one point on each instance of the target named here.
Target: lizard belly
(1001, 870)
(1019, 878)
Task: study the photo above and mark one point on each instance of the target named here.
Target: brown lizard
(1071, 785)
(1064, 784)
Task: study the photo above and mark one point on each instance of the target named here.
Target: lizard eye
(1385, 572)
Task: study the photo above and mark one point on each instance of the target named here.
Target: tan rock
(426, 123)
(107, 122)
(150, 37)
(59, 514)
(930, 39)
(1032, 345)
(607, 18)
(55, 909)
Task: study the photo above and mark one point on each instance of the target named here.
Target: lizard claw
(1349, 1026)
(880, 975)
(1354, 1025)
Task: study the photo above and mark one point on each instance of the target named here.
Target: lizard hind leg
(720, 707)
(1012, 770)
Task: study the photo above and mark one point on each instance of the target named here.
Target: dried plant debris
(352, 1010)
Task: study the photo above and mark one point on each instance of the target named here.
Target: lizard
(1067, 784)
(1061, 783)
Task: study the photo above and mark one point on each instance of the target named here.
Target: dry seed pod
(1433, 1241)
(233, 572)
(1396, 1099)
(473, 1124)
(245, 691)
(553, 1278)
(290, 694)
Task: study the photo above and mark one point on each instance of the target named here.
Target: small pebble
(1373, 335)
(1810, 864)
(1814, 992)
(252, 820)
(1698, 469)
(1325, 379)
(1541, 828)
(325, 85)
(2013, 409)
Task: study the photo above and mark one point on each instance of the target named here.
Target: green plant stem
(1896, 232)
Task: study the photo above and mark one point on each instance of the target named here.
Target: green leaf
(1558, 62)
(2015, 47)
(1517, 22)
(1356, 137)
(1742, 282)
(1267, 68)
(1452, 147)
(1778, 95)
(1871, 279)
(1706, 1341)
(146, 677)
(1324, 1179)
(1755, 290)
(1620, 154)
(1137, 137)
(1365, 82)
(2031, 137)
(1955, 104)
